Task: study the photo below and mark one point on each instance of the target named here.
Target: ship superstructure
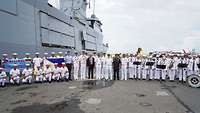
(37, 25)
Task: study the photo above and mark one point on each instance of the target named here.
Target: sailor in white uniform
(172, 67)
(53, 55)
(15, 73)
(45, 61)
(150, 68)
(48, 73)
(83, 59)
(38, 72)
(3, 77)
(14, 58)
(109, 71)
(144, 68)
(27, 74)
(76, 65)
(27, 57)
(64, 72)
(198, 63)
(192, 66)
(137, 68)
(98, 67)
(183, 71)
(160, 73)
(131, 59)
(56, 73)
(37, 61)
(103, 71)
(60, 55)
(124, 66)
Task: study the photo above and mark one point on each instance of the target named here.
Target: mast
(94, 5)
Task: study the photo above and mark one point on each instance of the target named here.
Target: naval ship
(48, 25)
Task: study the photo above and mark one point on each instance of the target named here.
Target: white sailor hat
(1, 68)
(14, 54)
(45, 53)
(14, 65)
(63, 63)
(37, 53)
(27, 65)
(60, 52)
(5, 54)
(27, 54)
(53, 53)
(55, 64)
(67, 52)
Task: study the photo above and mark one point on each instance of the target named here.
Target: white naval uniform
(167, 62)
(145, 72)
(183, 71)
(15, 76)
(38, 75)
(3, 78)
(160, 72)
(172, 67)
(192, 66)
(137, 69)
(56, 73)
(65, 73)
(198, 62)
(83, 59)
(124, 69)
(109, 71)
(95, 60)
(176, 67)
(143, 69)
(131, 67)
(76, 67)
(148, 70)
(48, 74)
(98, 68)
(27, 75)
(103, 71)
(37, 62)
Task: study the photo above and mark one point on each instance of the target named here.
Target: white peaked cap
(27, 64)
(45, 53)
(5, 54)
(27, 53)
(37, 53)
(15, 54)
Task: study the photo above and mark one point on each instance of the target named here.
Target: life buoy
(194, 80)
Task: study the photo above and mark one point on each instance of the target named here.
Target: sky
(154, 25)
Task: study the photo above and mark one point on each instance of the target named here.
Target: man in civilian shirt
(90, 64)
(69, 63)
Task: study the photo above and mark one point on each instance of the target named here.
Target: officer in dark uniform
(116, 66)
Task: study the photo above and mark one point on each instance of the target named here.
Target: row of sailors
(104, 66)
(28, 75)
